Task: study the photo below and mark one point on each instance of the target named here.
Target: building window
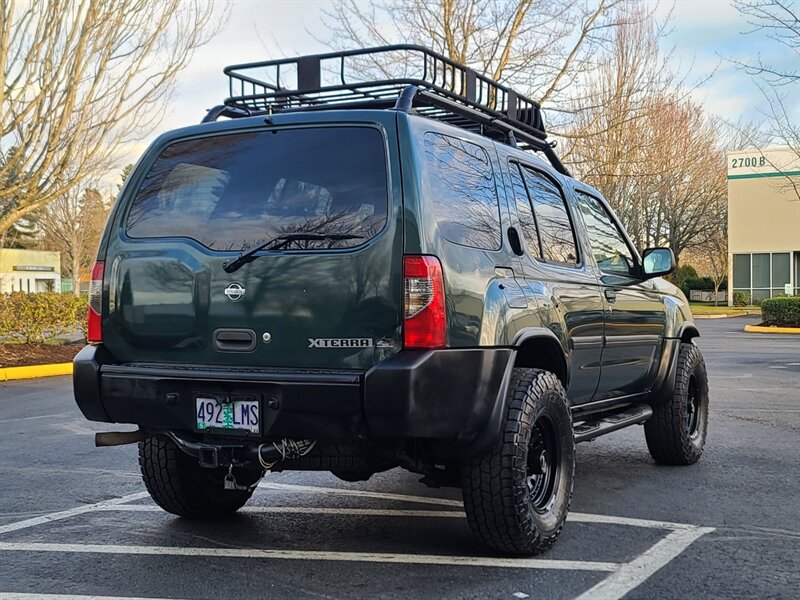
(797, 273)
(781, 273)
(765, 275)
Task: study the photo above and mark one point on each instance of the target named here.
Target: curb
(760, 329)
(13, 373)
(726, 316)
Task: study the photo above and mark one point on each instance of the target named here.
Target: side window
(462, 196)
(611, 252)
(525, 212)
(552, 217)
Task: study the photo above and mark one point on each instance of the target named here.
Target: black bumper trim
(451, 395)
(347, 378)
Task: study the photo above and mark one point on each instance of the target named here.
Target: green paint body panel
(166, 296)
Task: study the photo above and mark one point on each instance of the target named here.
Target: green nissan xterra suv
(354, 274)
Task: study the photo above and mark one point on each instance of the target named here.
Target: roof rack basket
(403, 77)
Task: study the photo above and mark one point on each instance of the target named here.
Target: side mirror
(657, 262)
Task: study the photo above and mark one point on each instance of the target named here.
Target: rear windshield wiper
(279, 242)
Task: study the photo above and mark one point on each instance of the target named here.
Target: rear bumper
(449, 395)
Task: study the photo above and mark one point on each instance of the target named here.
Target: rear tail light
(95, 325)
(424, 320)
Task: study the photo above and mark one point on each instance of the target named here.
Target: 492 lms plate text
(239, 414)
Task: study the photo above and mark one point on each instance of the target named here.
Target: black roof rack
(431, 84)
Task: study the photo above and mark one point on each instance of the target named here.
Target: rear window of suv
(230, 192)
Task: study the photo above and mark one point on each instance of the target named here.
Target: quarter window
(611, 252)
(462, 198)
(552, 217)
(527, 221)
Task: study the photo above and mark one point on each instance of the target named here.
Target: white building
(29, 271)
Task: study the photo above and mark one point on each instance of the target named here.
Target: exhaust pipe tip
(118, 438)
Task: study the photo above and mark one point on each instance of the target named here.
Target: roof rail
(431, 84)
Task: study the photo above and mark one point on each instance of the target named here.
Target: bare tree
(711, 257)
(73, 224)
(779, 20)
(81, 78)
(539, 47)
(606, 145)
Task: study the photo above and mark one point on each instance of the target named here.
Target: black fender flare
(488, 437)
(664, 385)
(688, 331)
(544, 333)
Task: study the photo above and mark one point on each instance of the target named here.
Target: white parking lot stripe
(373, 557)
(27, 596)
(361, 493)
(316, 510)
(65, 514)
(573, 516)
(385, 512)
(630, 575)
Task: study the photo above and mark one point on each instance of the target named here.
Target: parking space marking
(573, 516)
(361, 493)
(36, 418)
(388, 512)
(631, 575)
(314, 510)
(65, 514)
(622, 578)
(26, 596)
(376, 557)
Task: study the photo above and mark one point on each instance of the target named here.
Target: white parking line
(24, 596)
(631, 575)
(315, 510)
(376, 557)
(623, 577)
(35, 418)
(65, 514)
(387, 512)
(573, 516)
(361, 493)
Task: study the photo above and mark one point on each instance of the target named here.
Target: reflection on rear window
(462, 197)
(230, 192)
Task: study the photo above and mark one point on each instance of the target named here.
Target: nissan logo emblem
(234, 292)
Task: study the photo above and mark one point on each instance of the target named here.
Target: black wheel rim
(544, 464)
(693, 408)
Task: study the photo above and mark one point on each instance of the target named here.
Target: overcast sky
(703, 33)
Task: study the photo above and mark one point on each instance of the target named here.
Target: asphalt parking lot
(75, 520)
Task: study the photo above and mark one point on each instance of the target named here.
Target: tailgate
(313, 304)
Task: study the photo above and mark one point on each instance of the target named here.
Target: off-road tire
(178, 484)
(673, 438)
(497, 497)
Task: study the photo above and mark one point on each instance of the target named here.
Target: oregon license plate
(211, 413)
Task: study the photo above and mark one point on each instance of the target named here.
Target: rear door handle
(611, 296)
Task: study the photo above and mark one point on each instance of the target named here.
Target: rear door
(556, 274)
(311, 304)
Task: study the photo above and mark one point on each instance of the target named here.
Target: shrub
(682, 274)
(32, 317)
(741, 299)
(705, 284)
(782, 311)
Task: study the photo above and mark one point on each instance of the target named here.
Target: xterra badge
(340, 342)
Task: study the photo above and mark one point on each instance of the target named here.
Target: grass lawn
(701, 308)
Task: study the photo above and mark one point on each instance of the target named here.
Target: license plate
(238, 414)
